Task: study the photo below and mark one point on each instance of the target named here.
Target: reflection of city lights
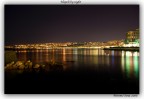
(75, 55)
(122, 53)
(112, 53)
(128, 53)
(64, 54)
(107, 60)
(84, 52)
(75, 51)
(94, 52)
(102, 52)
(136, 66)
(128, 63)
(135, 54)
(122, 61)
(23, 51)
(113, 57)
(46, 54)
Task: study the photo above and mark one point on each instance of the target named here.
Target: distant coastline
(104, 48)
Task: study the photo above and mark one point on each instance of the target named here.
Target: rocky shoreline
(28, 65)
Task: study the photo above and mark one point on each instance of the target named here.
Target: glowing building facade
(132, 38)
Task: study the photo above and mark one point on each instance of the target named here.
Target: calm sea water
(105, 71)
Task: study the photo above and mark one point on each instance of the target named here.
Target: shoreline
(123, 48)
(110, 48)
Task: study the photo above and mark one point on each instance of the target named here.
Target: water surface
(87, 69)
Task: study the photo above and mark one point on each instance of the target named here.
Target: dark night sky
(64, 23)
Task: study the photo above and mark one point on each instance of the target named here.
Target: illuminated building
(132, 38)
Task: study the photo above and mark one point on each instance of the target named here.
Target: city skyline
(57, 23)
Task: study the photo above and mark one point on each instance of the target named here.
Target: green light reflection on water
(136, 64)
(129, 68)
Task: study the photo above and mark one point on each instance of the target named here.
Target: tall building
(132, 38)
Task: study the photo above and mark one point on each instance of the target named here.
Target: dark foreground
(68, 82)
